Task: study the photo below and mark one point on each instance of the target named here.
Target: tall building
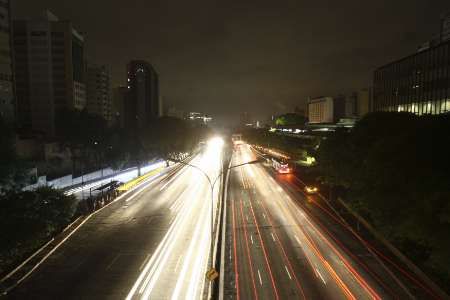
(445, 27)
(326, 109)
(6, 74)
(357, 104)
(143, 101)
(99, 100)
(419, 83)
(49, 71)
(119, 95)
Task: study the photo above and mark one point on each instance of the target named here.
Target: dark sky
(223, 57)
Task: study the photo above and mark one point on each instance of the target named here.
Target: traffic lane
(354, 247)
(282, 211)
(177, 268)
(273, 267)
(357, 279)
(85, 264)
(259, 279)
(250, 266)
(169, 268)
(293, 277)
(285, 284)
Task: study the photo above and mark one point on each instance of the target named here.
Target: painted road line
(259, 275)
(287, 271)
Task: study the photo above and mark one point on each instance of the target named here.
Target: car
(311, 189)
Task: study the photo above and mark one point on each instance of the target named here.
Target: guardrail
(223, 234)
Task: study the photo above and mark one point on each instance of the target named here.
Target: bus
(281, 167)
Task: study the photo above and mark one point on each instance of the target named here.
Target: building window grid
(428, 88)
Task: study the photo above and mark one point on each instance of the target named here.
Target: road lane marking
(251, 238)
(145, 260)
(298, 241)
(265, 253)
(113, 261)
(273, 238)
(170, 181)
(320, 275)
(259, 275)
(287, 271)
(264, 215)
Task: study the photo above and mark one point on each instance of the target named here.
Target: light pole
(212, 183)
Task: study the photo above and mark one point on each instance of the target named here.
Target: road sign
(212, 274)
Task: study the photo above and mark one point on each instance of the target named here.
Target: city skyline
(241, 56)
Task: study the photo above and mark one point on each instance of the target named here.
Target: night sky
(224, 57)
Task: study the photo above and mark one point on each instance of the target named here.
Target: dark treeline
(93, 143)
(395, 170)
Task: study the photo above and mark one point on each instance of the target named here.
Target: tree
(30, 218)
(85, 134)
(290, 119)
(395, 168)
(167, 137)
(13, 171)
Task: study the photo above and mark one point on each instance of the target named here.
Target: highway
(153, 243)
(277, 250)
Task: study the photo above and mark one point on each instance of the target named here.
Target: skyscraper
(99, 100)
(6, 74)
(49, 71)
(143, 102)
(119, 95)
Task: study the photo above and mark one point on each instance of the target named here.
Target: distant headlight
(311, 189)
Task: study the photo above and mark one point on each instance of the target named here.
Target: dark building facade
(143, 102)
(6, 74)
(419, 83)
(98, 84)
(49, 71)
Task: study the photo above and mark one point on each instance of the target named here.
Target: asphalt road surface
(151, 244)
(277, 250)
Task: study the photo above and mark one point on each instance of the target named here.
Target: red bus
(282, 167)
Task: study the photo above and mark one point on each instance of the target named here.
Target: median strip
(130, 184)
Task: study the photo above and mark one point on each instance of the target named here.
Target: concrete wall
(68, 180)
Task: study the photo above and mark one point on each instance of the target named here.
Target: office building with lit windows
(326, 109)
(419, 83)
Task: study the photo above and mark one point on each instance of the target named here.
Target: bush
(29, 219)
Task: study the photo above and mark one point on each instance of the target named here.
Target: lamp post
(212, 183)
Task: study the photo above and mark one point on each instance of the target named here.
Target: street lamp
(212, 183)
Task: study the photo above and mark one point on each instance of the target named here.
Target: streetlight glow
(215, 143)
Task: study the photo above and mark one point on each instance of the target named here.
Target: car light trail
(176, 268)
(250, 262)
